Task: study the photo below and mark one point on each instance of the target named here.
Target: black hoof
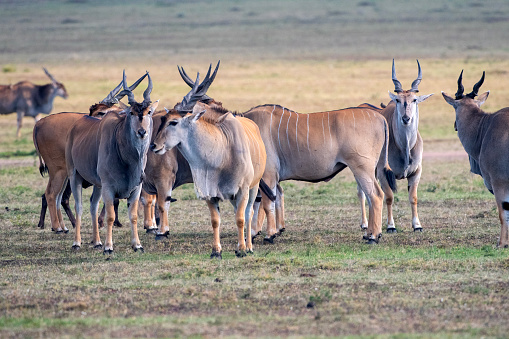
(118, 224)
(371, 242)
(282, 230)
(216, 255)
(418, 229)
(392, 230)
(162, 236)
(250, 252)
(109, 251)
(269, 240)
(98, 246)
(76, 247)
(151, 230)
(66, 231)
(364, 227)
(58, 232)
(254, 236)
(141, 249)
(240, 254)
(365, 237)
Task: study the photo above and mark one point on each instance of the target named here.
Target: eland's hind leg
(94, 207)
(76, 186)
(374, 195)
(280, 209)
(362, 201)
(54, 192)
(502, 198)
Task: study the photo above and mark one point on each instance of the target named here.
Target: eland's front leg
(215, 219)
(413, 182)
(132, 203)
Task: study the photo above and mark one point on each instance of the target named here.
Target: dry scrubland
(318, 279)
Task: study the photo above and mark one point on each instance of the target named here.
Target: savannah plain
(318, 279)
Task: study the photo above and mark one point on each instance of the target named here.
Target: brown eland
(315, 147)
(485, 138)
(227, 158)
(166, 172)
(110, 154)
(405, 147)
(27, 99)
(49, 136)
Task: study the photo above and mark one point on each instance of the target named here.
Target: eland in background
(485, 137)
(27, 99)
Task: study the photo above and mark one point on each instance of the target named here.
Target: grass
(318, 279)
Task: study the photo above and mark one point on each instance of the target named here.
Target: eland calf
(227, 158)
(27, 99)
(405, 147)
(110, 154)
(485, 138)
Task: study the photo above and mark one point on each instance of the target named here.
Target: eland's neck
(131, 149)
(471, 123)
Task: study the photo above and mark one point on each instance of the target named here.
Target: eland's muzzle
(142, 133)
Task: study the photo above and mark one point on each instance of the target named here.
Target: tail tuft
(391, 179)
(43, 169)
(267, 191)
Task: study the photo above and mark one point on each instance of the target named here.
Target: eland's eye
(415, 100)
(173, 122)
(397, 101)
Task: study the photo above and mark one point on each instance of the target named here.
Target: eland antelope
(27, 99)
(405, 147)
(164, 173)
(227, 158)
(49, 136)
(484, 137)
(315, 147)
(110, 154)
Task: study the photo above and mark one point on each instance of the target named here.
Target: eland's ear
(123, 106)
(223, 117)
(449, 100)
(153, 107)
(393, 96)
(195, 116)
(482, 98)
(423, 97)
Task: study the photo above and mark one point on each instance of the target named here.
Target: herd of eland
(131, 151)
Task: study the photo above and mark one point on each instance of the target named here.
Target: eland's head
(406, 101)
(58, 87)
(139, 114)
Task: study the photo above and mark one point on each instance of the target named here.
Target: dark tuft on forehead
(139, 108)
(163, 123)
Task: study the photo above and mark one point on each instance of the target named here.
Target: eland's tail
(43, 169)
(384, 159)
